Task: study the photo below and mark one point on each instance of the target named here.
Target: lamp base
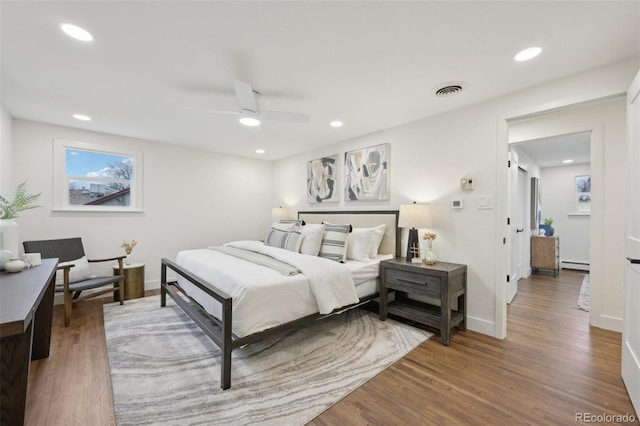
(412, 243)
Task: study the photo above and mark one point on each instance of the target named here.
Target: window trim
(60, 184)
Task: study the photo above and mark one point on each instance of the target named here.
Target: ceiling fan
(249, 115)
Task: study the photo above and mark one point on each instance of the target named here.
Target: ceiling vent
(451, 88)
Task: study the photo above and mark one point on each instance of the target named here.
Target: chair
(69, 250)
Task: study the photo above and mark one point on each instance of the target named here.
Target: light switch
(485, 202)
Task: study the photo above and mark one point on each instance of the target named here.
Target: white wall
(558, 194)
(6, 181)
(607, 122)
(428, 158)
(192, 198)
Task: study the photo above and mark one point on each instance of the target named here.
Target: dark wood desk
(26, 311)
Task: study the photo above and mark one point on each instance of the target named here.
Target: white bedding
(263, 298)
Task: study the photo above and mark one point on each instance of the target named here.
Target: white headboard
(362, 219)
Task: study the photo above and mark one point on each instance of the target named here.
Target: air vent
(449, 89)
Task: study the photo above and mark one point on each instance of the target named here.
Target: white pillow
(311, 239)
(359, 244)
(334, 242)
(285, 236)
(79, 272)
(378, 234)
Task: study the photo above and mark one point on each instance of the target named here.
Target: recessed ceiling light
(259, 151)
(527, 54)
(76, 32)
(336, 123)
(82, 117)
(567, 161)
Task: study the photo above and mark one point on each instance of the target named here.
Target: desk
(26, 312)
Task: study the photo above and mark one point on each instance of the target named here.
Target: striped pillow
(296, 221)
(334, 242)
(284, 236)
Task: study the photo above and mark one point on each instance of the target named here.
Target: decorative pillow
(296, 221)
(334, 242)
(378, 234)
(311, 239)
(359, 244)
(77, 273)
(285, 236)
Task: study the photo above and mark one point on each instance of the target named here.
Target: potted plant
(9, 210)
(548, 229)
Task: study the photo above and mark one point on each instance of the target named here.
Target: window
(583, 194)
(90, 177)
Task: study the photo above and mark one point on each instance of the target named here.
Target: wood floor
(551, 367)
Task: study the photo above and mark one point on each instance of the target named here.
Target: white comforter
(330, 282)
(262, 297)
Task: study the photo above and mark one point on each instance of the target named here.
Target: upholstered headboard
(362, 219)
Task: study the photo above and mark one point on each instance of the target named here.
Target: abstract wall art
(322, 180)
(366, 174)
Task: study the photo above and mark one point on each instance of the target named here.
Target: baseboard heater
(570, 264)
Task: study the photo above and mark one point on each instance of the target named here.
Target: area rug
(164, 370)
(585, 291)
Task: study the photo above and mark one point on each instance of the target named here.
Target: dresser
(443, 282)
(545, 254)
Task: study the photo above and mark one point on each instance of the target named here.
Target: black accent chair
(70, 249)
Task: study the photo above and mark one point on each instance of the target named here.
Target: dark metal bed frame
(219, 330)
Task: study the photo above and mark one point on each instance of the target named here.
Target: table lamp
(414, 216)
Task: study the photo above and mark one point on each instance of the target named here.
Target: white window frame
(61, 181)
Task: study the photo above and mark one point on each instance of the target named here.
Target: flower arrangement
(429, 236)
(128, 247)
(548, 221)
(22, 201)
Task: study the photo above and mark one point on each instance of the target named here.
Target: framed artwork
(366, 174)
(322, 180)
(583, 194)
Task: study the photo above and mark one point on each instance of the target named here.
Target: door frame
(503, 244)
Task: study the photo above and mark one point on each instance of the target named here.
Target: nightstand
(133, 281)
(442, 281)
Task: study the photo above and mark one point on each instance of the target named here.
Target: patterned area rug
(583, 298)
(164, 370)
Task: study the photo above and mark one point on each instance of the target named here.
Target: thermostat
(466, 183)
(456, 204)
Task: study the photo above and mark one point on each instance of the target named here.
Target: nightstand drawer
(414, 280)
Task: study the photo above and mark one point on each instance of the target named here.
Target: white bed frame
(219, 330)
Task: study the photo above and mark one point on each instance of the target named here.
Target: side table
(133, 282)
(443, 281)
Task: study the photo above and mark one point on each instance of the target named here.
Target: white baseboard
(579, 266)
(481, 326)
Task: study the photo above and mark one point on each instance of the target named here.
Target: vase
(9, 236)
(128, 260)
(548, 230)
(430, 255)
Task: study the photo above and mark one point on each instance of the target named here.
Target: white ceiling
(552, 151)
(372, 65)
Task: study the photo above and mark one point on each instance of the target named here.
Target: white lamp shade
(415, 216)
(278, 213)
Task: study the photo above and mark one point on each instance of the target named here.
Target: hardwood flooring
(550, 368)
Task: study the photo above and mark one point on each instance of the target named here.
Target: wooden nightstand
(442, 281)
(133, 282)
(545, 254)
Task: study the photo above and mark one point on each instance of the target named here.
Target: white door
(631, 328)
(515, 228)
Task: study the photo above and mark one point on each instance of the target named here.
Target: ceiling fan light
(249, 118)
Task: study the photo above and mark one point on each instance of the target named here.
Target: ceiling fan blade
(285, 116)
(213, 111)
(244, 94)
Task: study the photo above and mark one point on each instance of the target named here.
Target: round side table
(133, 281)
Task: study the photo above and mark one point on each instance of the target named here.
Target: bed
(242, 302)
